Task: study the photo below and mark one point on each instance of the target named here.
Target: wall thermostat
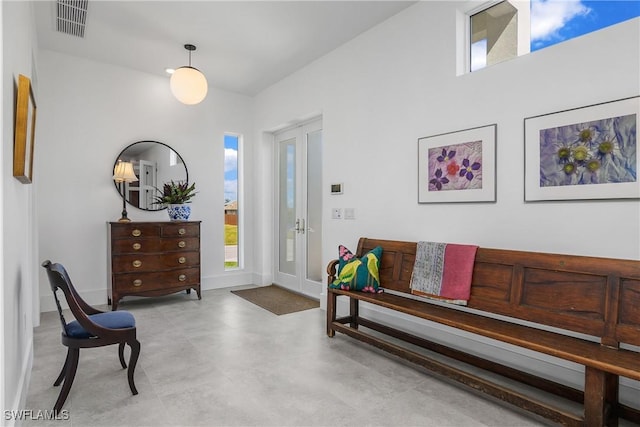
(336, 188)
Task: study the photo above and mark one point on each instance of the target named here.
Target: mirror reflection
(154, 163)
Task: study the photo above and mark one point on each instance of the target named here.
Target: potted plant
(175, 195)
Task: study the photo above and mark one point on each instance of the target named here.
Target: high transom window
(502, 30)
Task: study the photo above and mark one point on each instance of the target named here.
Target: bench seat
(579, 309)
(620, 362)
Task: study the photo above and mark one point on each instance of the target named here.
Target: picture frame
(458, 166)
(585, 153)
(24, 132)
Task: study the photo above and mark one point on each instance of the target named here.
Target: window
(553, 22)
(494, 35)
(231, 202)
(505, 29)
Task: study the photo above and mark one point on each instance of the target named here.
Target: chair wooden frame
(100, 336)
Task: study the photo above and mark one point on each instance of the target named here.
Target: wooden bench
(576, 308)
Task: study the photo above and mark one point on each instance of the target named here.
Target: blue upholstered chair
(92, 328)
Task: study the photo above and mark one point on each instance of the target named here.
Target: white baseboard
(323, 298)
(20, 399)
(540, 364)
(227, 280)
(99, 296)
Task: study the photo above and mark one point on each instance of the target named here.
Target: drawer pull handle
(136, 233)
(181, 231)
(137, 282)
(182, 244)
(182, 277)
(136, 246)
(137, 263)
(182, 260)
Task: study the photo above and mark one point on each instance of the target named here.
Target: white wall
(396, 83)
(89, 112)
(378, 94)
(18, 261)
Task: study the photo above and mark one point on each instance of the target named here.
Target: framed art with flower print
(584, 153)
(458, 166)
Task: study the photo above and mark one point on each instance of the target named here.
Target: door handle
(300, 225)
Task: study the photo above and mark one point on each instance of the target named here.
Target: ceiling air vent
(71, 17)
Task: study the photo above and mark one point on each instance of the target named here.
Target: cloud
(230, 159)
(548, 17)
(231, 189)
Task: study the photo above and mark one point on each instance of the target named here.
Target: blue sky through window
(554, 21)
(231, 167)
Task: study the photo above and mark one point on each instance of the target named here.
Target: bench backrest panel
(593, 296)
(629, 311)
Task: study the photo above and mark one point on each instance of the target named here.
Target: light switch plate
(349, 213)
(336, 213)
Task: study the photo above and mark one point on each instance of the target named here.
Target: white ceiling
(242, 46)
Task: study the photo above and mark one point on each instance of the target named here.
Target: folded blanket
(443, 271)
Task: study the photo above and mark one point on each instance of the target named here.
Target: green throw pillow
(358, 274)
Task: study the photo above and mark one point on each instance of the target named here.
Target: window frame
(463, 27)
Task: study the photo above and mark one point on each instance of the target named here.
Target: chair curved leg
(71, 366)
(121, 355)
(135, 352)
(63, 371)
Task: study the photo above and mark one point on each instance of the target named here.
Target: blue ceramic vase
(179, 212)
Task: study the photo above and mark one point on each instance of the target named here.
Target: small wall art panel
(583, 153)
(458, 166)
(25, 128)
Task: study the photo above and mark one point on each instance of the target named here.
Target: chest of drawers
(153, 258)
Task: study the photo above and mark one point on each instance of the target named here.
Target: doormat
(277, 300)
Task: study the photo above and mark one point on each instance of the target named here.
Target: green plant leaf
(175, 193)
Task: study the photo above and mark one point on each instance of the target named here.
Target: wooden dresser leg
(331, 312)
(595, 387)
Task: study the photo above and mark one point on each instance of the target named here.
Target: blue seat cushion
(109, 319)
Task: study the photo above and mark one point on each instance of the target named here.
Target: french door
(298, 260)
(147, 184)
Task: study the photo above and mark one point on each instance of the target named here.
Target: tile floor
(223, 361)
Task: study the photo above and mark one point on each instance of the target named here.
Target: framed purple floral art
(583, 153)
(458, 166)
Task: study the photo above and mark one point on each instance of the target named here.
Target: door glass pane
(314, 206)
(287, 206)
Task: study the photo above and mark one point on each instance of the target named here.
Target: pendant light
(188, 84)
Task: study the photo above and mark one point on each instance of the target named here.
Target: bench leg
(331, 312)
(354, 312)
(612, 387)
(600, 398)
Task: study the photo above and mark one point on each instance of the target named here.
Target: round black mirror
(154, 163)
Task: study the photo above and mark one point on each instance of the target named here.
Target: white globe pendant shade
(188, 85)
